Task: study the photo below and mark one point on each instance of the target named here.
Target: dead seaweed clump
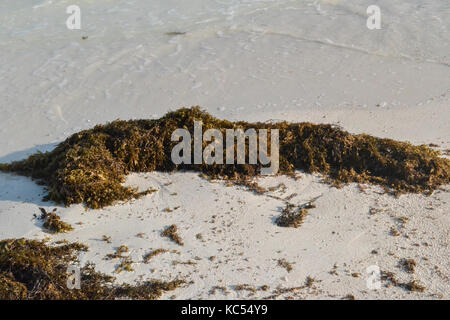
(53, 223)
(291, 216)
(119, 253)
(408, 265)
(124, 265)
(153, 253)
(31, 269)
(171, 232)
(90, 166)
(411, 286)
(284, 264)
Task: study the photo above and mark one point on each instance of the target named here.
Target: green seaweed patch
(90, 166)
(31, 269)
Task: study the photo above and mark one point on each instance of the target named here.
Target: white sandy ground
(256, 61)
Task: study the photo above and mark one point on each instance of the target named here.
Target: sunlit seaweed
(90, 166)
(31, 269)
(53, 222)
(171, 232)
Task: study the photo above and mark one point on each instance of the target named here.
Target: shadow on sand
(22, 189)
(23, 154)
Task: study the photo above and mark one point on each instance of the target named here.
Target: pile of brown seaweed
(53, 223)
(31, 269)
(90, 166)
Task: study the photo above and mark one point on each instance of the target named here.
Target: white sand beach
(252, 60)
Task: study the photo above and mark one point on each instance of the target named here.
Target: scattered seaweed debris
(309, 282)
(90, 166)
(118, 254)
(411, 286)
(408, 265)
(153, 253)
(394, 232)
(291, 216)
(375, 211)
(223, 289)
(284, 264)
(199, 236)
(414, 286)
(124, 265)
(31, 269)
(186, 263)
(251, 186)
(175, 33)
(171, 233)
(53, 223)
(245, 287)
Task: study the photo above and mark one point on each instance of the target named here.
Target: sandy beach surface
(239, 60)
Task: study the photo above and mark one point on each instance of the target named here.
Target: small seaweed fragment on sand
(245, 287)
(199, 236)
(414, 286)
(291, 216)
(186, 263)
(394, 232)
(119, 253)
(124, 265)
(408, 265)
(53, 223)
(284, 264)
(250, 185)
(223, 289)
(411, 286)
(375, 211)
(153, 253)
(171, 232)
(90, 166)
(106, 238)
(31, 269)
(309, 282)
(175, 33)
